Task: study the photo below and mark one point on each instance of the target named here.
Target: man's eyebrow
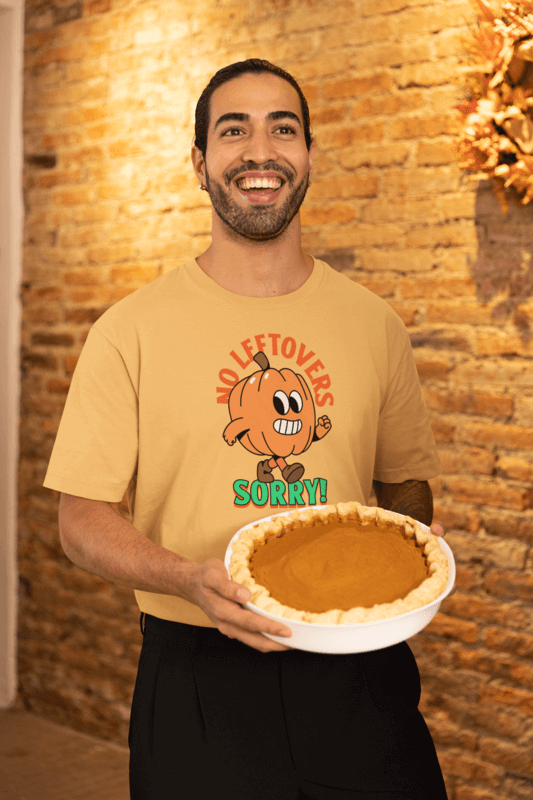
(237, 116)
(284, 115)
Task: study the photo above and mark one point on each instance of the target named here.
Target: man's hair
(255, 65)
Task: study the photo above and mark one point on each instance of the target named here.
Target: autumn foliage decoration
(496, 140)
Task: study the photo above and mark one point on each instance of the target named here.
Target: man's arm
(411, 498)
(96, 538)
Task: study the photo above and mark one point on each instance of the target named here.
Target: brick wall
(111, 203)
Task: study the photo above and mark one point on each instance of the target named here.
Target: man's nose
(259, 148)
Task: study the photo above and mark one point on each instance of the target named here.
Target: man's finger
(438, 529)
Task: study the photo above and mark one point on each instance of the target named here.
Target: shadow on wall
(503, 269)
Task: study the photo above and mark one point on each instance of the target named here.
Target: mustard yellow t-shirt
(167, 402)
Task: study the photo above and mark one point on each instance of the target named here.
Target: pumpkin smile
(288, 426)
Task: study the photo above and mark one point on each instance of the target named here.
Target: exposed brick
(498, 372)
(387, 104)
(517, 644)
(431, 73)
(472, 793)
(505, 523)
(355, 87)
(96, 7)
(347, 186)
(506, 553)
(364, 236)
(347, 135)
(435, 153)
(500, 695)
(329, 114)
(74, 196)
(432, 369)
(423, 180)
(372, 155)
(508, 754)
(470, 768)
(438, 286)
(52, 339)
(440, 340)
(515, 468)
(456, 629)
(406, 209)
(470, 403)
(417, 126)
(492, 342)
(397, 260)
(511, 437)
(139, 273)
(499, 667)
(444, 235)
(509, 584)
(57, 386)
(490, 493)
(443, 431)
(467, 460)
(371, 7)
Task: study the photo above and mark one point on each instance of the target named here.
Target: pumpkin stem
(261, 359)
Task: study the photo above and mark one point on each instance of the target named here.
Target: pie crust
(375, 520)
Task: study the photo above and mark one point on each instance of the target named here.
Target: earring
(202, 187)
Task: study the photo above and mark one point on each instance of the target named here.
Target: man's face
(257, 165)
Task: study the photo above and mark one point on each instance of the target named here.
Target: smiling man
(193, 395)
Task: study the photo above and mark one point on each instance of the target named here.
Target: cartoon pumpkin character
(272, 413)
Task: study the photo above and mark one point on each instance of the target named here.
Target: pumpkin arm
(234, 431)
(323, 427)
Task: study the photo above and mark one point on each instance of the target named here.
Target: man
(220, 710)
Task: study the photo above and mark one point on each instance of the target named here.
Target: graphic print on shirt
(273, 414)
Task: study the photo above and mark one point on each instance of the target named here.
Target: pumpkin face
(277, 412)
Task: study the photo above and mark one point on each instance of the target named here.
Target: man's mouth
(249, 184)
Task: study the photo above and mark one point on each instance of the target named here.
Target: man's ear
(198, 162)
(311, 159)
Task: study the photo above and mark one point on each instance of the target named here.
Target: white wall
(11, 220)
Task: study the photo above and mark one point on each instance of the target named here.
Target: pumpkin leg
(293, 472)
(264, 472)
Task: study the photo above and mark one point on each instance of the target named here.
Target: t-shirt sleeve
(95, 451)
(406, 448)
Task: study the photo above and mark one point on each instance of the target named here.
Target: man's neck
(257, 269)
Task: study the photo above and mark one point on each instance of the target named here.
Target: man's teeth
(287, 426)
(259, 183)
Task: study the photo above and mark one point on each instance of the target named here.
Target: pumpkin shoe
(293, 472)
(264, 472)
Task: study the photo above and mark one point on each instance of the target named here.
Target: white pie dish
(352, 638)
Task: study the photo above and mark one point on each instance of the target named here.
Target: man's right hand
(211, 589)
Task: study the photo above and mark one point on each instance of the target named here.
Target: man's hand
(219, 597)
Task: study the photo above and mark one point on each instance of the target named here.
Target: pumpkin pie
(339, 564)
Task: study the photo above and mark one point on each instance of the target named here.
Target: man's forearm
(412, 498)
(97, 539)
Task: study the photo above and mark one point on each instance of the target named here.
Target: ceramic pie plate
(359, 637)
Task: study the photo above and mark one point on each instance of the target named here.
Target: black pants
(214, 718)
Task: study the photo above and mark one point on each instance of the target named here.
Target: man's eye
(286, 129)
(231, 131)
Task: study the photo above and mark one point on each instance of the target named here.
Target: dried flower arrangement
(496, 140)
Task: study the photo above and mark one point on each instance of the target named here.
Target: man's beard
(258, 222)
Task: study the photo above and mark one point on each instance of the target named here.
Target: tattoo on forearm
(412, 498)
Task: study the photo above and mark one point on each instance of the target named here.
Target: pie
(339, 564)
